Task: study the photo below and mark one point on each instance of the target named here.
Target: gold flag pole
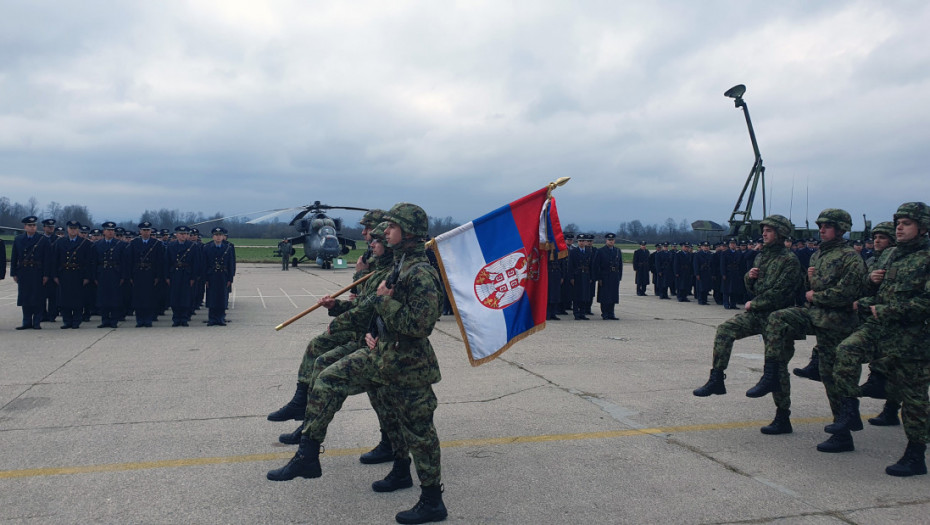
(558, 182)
(314, 307)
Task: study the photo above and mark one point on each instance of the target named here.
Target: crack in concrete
(66, 363)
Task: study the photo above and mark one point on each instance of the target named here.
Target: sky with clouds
(235, 106)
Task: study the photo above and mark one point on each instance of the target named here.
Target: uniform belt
(108, 266)
(613, 269)
(29, 264)
(72, 266)
(181, 265)
(144, 266)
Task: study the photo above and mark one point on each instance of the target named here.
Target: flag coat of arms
(496, 274)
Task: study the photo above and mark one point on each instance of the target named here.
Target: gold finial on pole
(559, 182)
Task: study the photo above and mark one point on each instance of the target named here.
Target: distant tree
(671, 228)
(636, 229)
(571, 227)
(53, 210)
(76, 212)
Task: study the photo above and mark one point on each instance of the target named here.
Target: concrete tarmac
(584, 422)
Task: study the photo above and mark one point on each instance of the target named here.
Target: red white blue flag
(495, 270)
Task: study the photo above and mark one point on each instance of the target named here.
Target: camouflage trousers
(406, 414)
(318, 346)
(783, 328)
(908, 379)
(737, 327)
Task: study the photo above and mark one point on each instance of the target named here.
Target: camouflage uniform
(898, 337)
(402, 362)
(779, 277)
(836, 283)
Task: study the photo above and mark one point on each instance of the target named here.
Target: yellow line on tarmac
(191, 462)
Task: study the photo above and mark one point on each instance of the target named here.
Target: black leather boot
(769, 382)
(304, 464)
(292, 438)
(397, 478)
(714, 385)
(874, 386)
(912, 463)
(295, 408)
(382, 453)
(429, 508)
(780, 425)
(848, 419)
(839, 442)
(812, 370)
(888, 417)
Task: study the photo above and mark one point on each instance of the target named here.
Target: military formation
(377, 343)
(864, 304)
(77, 273)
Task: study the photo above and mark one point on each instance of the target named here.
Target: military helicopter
(319, 233)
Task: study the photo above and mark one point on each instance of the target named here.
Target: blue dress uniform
(703, 273)
(731, 264)
(556, 269)
(183, 265)
(608, 271)
(200, 285)
(30, 264)
(111, 272)
(162, 286)
(664, 271)
(567, 293)
(220, 267)
(641, 267)
(145, 259)
(683, 267)
(654, 270)
(717, 277)
(89, 307)
(580, 261)
(73, 269)
(50, 312)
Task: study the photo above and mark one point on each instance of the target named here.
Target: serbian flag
(496, 274)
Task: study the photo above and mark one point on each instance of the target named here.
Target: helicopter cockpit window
(327, 230)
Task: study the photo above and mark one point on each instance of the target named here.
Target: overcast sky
(236, 106)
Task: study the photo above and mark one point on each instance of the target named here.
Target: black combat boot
(888, 417)
(912, 463)
(397, 478)
(295, 408)
(780, 425)
(304, 464)
(812, 370)
(382, 453)
(292, 438)
(874, 386)
(429, 508)
(714, 385)
(839, 442)
(769, 382)
(848, 418)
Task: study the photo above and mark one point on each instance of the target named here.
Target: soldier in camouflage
(397, 357)
(895, 330)
(835, 278)
(337, 334)
(883, 235)
(772, 280)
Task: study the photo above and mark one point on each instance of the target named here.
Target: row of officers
(709, 271)
(102, 273)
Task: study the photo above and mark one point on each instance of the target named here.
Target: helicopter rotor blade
(240, 215)
(274, 213)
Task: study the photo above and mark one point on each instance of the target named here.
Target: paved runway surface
(585, 422)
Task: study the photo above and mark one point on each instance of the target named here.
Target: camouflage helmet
(780, 224)
(917, 211)
(837, 216)
(372, 218)
(410, 217)
(885, 228)
(377, 233)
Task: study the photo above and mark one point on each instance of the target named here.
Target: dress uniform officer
(182, 264)
(556, 275)
(219, 268)
(30, 268)
(111, 273)
(145, 259)
(580, 260)
(199, 282)
(50, 312)
(683, 266)
(703, 272)
(567, 293)
(608, 271)
(73, 269)
(664, 270)
(641, 268)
